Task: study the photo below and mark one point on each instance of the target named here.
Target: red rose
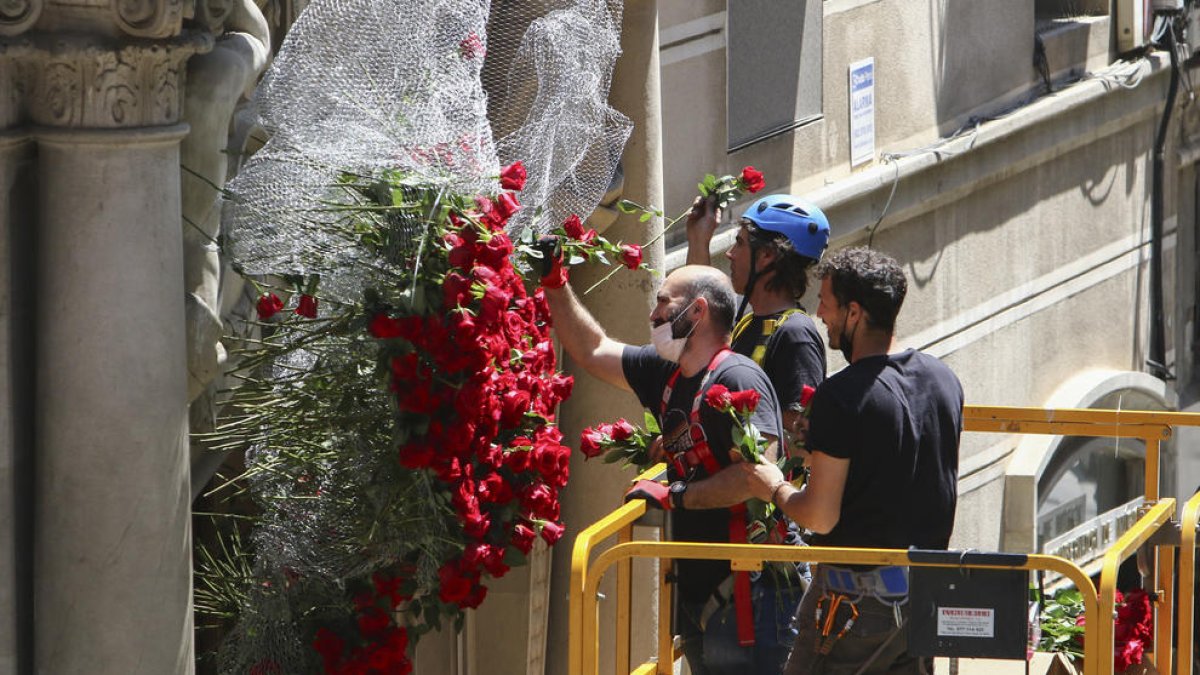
(1128, 654)
(552, 532)
(487, 556)
(507, 204)
(329, 645)
(517, 460)
(718, 397)
(456, 290)
(478, 593)
(573, 226)
(806, 394)
(752, 179)
(744, 402)
(540, 501)
(417, 456)
(590, 441)
(373, 621)
(588, 238)
(512, 177)
(449, 470)
(476, 524)
(307, 306)
(622, 429)
(456, 583)
(523, 537)
(495, 252)
(268, 305)
(631, 256)
(389, 587)
(461, 255)
(495, 490)
(546, 458)
(560, 385)
(514, 404)
(384, 327)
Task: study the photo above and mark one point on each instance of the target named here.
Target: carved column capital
(18, 16)
(83, 82)
(147, 18)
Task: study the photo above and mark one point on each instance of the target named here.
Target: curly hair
(791, 269)
(872, 279)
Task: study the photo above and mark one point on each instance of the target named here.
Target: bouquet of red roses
(622, 442)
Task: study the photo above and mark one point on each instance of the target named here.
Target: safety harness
(700, 455)
(759, 355)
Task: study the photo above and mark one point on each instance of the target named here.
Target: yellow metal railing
(1151, 532)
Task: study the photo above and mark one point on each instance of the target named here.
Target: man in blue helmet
(779, 240)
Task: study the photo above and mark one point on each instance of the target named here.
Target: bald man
(691, 324)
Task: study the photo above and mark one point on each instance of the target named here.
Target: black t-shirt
(647, 375)
(898, 419)
(794, 356)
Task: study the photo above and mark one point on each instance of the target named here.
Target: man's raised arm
(584, 339)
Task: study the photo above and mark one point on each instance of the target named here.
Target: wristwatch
(677, 490)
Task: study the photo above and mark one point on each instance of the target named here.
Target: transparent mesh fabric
(548, 74)
(358, 86)
(367, 85)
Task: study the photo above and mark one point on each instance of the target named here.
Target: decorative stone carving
(17, 16)
(212, 14)
(148, 18)
(10, 81)
(78, 83)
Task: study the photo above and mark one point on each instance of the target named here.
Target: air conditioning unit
(1135, 18)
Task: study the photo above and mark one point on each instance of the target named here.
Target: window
(773, 68)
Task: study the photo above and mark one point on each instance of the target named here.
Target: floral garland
(384, 510)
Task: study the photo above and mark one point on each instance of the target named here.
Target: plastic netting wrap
(364, 86)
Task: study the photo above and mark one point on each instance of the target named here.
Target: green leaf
(626, 206)
(651, 423)
(644, 217)
(576, 260)
(615, 455)
(703, 189)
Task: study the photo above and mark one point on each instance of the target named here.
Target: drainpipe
(1158, 351)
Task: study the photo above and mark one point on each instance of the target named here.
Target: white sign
(975, 622)
(862, 111)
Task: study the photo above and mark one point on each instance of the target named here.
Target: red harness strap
(741, 580)
(700, 454)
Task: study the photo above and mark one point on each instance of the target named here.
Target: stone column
(623, 307)
(112, 543)
(15, 455)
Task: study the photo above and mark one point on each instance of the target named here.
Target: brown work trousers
(873, 646)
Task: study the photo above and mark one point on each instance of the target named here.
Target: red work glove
(554, 273)
(654, 492)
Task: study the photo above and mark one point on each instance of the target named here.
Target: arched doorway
(1073, 496)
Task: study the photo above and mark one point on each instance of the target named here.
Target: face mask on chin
(665, 341)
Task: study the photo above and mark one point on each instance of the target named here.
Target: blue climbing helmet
(798, 219)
